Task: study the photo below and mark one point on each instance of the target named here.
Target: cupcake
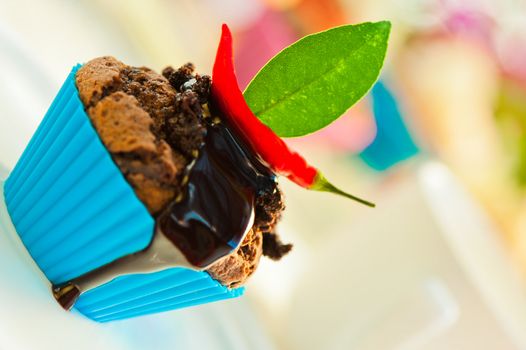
(143, 192)
(133, 198)
(161, 134)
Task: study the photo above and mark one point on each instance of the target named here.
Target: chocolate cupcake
(158, 129)
(134, 196)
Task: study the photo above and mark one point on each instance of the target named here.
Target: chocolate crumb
(178, 77)
(273, 247)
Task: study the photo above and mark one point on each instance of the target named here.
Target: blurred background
(439, 144)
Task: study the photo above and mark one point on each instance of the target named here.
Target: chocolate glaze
(218, 205)
(206, 223)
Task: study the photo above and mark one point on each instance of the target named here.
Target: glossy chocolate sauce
(218, 207)
(208, 222)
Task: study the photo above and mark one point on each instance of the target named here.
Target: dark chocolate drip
(66, 295)
(217, 208)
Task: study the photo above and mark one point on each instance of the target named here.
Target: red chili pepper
(259, 137)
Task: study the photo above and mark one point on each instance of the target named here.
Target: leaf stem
(323, 185)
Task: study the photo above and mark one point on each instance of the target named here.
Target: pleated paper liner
(75, 212)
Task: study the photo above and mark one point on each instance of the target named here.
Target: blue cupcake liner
(74, 211)
(166, 290)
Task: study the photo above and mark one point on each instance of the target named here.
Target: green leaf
(315, 80)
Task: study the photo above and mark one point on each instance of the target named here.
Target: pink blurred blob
(257, 44)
